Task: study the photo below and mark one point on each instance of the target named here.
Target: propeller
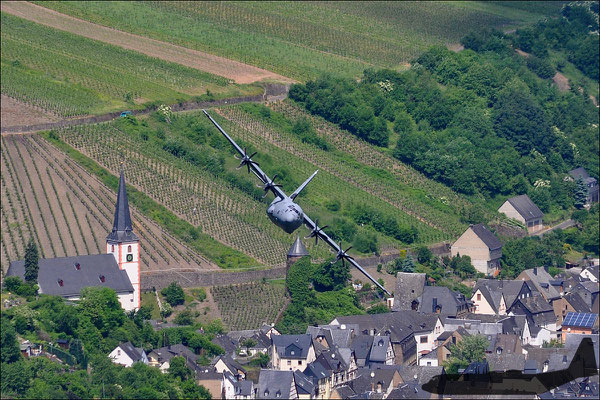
(269, 185)
(343, 255)
(247, 160)
(315, 232)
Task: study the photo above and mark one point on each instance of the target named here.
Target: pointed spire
(298, 249)
(122, 227)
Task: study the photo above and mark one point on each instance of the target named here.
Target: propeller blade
(251, 155)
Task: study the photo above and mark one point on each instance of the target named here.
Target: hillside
(302, 40)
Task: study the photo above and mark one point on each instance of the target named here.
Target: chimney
(535, 270)
(434, 305)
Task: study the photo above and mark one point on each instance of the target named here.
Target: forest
(486, 120)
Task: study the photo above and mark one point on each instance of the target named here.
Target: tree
(179, 369)
(10, 351)
(101, 306)
(184, 318)
(173, 294)
(12, 284)
(580, 194)
(190, 390)
(423, 254)
(31, 262)
(15, 378)
(469, 349)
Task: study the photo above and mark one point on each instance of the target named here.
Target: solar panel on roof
(580, 319)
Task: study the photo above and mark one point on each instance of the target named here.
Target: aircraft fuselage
(285, 214)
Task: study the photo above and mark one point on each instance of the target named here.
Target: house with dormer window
(291, 352)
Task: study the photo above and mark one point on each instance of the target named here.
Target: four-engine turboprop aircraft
(287, 214)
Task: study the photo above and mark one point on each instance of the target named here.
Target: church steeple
(122, 230)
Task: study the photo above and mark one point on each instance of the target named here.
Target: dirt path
(234, 70)
(272, 91)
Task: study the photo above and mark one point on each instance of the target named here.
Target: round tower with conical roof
(297, 251)
(123, 243)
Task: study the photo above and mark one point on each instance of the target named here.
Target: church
(119, 269)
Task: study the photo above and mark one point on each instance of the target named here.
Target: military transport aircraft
(287, 214)
(483, 382)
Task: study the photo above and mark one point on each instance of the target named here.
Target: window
(102, 278)
(129, 249)
(77, 266)
(60, 282)
(429, 363)
(112, 248)
(423, 339)
(289, 362)
(478, 296)
(299, 362)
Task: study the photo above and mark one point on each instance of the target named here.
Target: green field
(71, 75)
(304, 39)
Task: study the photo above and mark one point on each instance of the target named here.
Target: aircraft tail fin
(297, 191)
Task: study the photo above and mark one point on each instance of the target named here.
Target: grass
(72, 75)
(304, 39)
(149, 299)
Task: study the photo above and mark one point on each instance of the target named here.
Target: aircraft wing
(253, 166)
(311, 225)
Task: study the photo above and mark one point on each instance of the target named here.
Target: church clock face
(129, 257)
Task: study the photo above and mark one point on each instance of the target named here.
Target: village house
(518, 325)
(579, 323)
(441, 300)
(321, 379)
(224, 363)
(232, 388)
(537, 310)
(305, 387)
(409, 286)
(482, 246)
(291, 352)
(590, 183)
(522, 209)
(340, 363)
(161, 358)
(540, 280)
(126, 354)
(275, 384)
(495, 296)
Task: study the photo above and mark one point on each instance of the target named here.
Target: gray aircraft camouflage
(286, 213)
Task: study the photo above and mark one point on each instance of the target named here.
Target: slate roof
(490, 240)
(240, 388)
(590, 286)
(449, 300)
(493, 289)
(292, 346)
(135, 353)
(361, 345)
(398, 325)
(541, 281)
(92, 267)
(166, 353)
(505, 361)
(345, 391)
(536, 304)
(410, 390)
(514, 324)
(577, 302)
(508, 342)
(231, 364)
(122, 230)
(379, 349)
(409, 286)
(298, 249)
(423, 374)
(583, 174)
(273, 384)
(364, 381)
(526, 207)
(304, 384)
(315, 371)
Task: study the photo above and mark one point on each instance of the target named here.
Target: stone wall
(198, 278)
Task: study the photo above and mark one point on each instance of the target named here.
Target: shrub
(173, 294)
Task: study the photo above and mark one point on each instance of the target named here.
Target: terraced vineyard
(249, 305)
(397, 189)
(304, 39)
(48, 196)
(194, 195)
(71, 75)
